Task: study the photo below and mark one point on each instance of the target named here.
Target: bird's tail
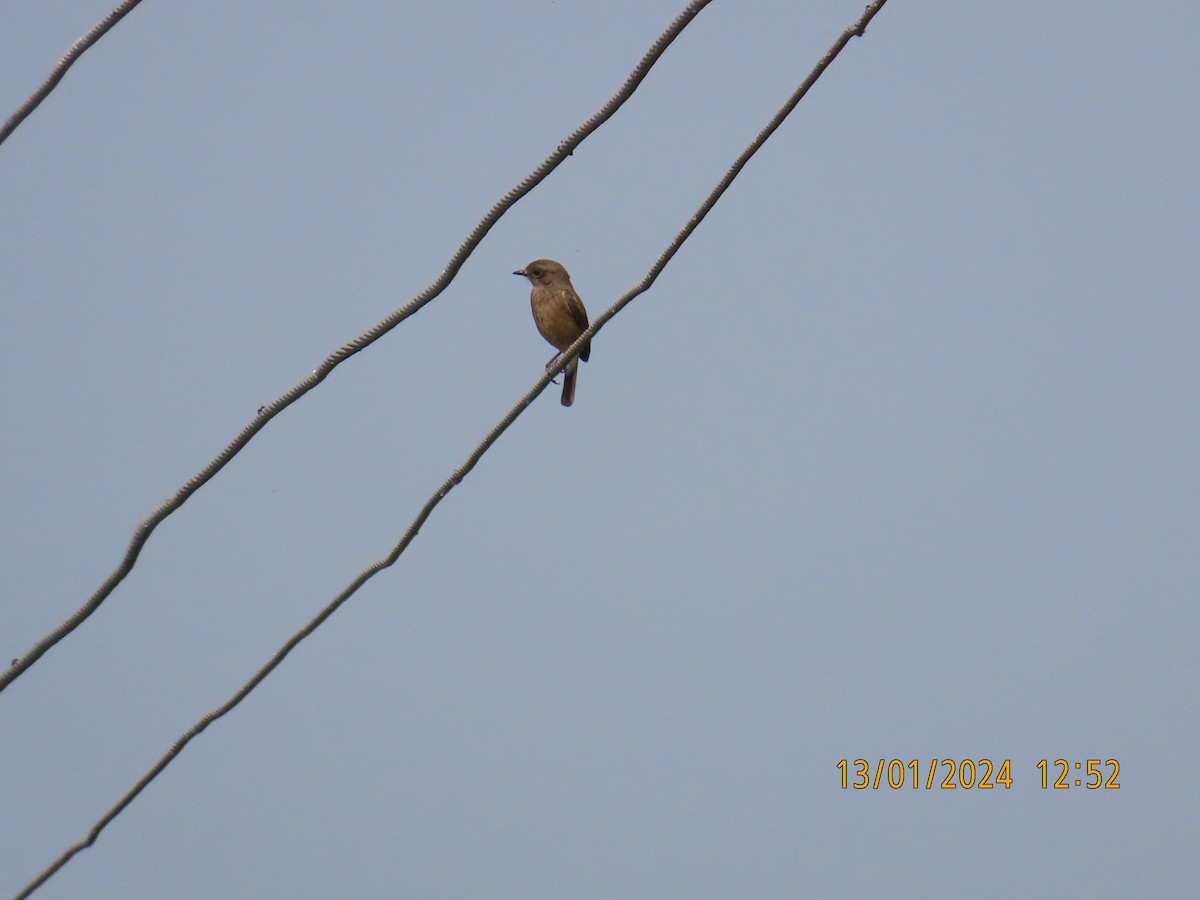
(568, 395)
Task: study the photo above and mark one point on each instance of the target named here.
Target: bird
(559, 315)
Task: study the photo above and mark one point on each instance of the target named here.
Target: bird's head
(544, 271)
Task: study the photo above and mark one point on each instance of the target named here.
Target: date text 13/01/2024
(977, 774)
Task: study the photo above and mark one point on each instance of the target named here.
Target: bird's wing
(578, 313)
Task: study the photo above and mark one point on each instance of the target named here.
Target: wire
(456, 477)
(69, 58)
(266, 413)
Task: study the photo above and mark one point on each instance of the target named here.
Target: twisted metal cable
(69, 58)
(146, 527)
(456, 477)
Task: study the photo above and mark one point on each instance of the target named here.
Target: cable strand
(69, 59)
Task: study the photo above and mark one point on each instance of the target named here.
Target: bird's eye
(536, 273)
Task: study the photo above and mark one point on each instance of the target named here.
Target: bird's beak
(520, 272)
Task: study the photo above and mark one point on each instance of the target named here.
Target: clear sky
(897, 460)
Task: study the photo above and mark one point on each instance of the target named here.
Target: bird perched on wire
(559, 315)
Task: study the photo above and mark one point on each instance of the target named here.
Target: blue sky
(897, 459)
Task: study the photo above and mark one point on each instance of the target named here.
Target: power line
(69, 58)
(456, 477)
(266, 413)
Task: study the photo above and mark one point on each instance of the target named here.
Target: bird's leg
(550, 363)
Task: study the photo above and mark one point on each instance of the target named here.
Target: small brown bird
(559, 315)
